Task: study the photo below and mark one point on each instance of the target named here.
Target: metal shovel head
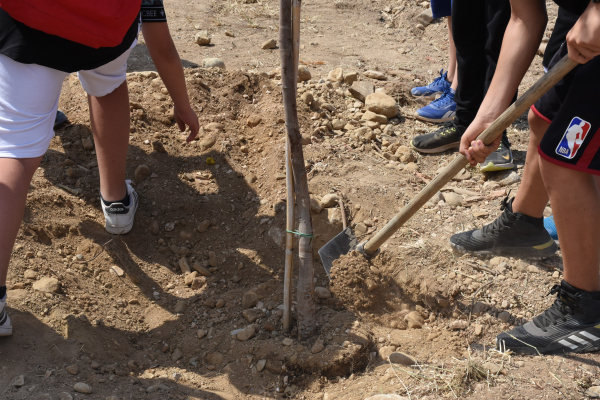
(337, 247)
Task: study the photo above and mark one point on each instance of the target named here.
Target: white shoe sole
(122, 230)
(6, 330)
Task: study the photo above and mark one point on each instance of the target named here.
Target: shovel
(346, 240)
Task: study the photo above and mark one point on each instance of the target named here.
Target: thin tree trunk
(289, 241)
(306, 270)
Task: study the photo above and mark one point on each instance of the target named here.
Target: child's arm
(167, 61)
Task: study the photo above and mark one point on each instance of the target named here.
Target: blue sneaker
(439, 85)
(60, 118)
(551, 227)
(439, 110)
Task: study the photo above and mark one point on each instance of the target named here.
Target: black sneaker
(445, 138)
(499, 160)
(512, 234)
(569, 326)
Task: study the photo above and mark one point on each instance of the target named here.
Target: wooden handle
(492, 132)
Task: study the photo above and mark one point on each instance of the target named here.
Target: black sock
(2, 291)
(125, 201)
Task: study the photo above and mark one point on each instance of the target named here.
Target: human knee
(537, 127)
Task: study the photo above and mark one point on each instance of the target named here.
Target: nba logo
(573, 138)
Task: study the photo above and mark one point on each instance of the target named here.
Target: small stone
(556, 274)
(81, 387)
(350, 77)
(189, 278)
(207, 142)
(212, 259)
(381, 103)
(153, 227)
(202, 38)
(19, 381)
(88, 144)
(307, 98)
(371, 116)
(253, 120)
(330, 200)
(198, 282)
(177, 354)
(361, 228)
(336, 75)
(180, 307)
(203, 226)
(520, 364)
(533, 269)
(250, 315)
(47, 285)
(260, 365)
(414, 320)
(201, 269)
(478, 329)
(402, 358)
(386, 351)
(459, 325)
(303, 73)
(65, 396)
(73, 369)
(315, 205)
(142, 172)
(215, 358)
(452, 199)
(249, 299)
(288, 342)
(375, 75)
(201, 333)
(504, 316)
(425, 17)
(361, 89)
(269, 44)
(184, 265)
(30, 274)
(322, 293)
(116, 271)
(158, 147)
(246, 333)
(213, 63)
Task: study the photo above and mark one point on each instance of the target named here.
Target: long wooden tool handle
(492, 132)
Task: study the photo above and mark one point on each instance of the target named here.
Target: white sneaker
(5, 325)
(119, 219)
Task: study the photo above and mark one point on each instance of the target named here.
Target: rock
(250, 315)
(402, 358)
(269, 44)
(593, 392)
(88, 144)
(198, 282)
(288, 342)
(361, 228)
(504, 316)
(250, 299)
(350, 77)
(207, 142)
(198, 266)
(307, 98)
(375, 75)
(30, 274)
(81, 387)
(315, 205)
(514, 177)
(386, 351)
(479, 308)
(158, 147)
(118, 271)
(260, 365)
(306, 140)
(65, 396)
(322, 293)
(478, 329)
(371, 116)
(338, 124)
(202, 38)
(203, 226)
(425, 17)
(213, 63)
(177, 354)
(184, 265)
(414, 320)
(318, 347)
(542, 49)
(381, 103)
(303, 73)
(47, 285)
(246, 333)
(533, 269)
(201, 333)
(73, 369)
(453, 199)
(337, 75)
(458, 325)
(212, 259)
(180, 307)
(189, 278)
(214, 127)
(253, 120)
(215, 358)
(361, 89)
(556, 274)
(153, 227)
(330, 200)
(19, 381)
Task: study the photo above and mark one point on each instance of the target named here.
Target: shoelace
(559, 310)
(505, 221)
(444, 100)
(437, 80)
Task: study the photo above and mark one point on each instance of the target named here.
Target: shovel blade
(337, 247)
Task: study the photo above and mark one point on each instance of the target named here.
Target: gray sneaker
(5, 325)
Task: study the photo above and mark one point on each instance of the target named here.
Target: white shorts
(29, 95)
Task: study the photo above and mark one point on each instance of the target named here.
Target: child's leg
(15, 175)
(109, 116)
(575, 202)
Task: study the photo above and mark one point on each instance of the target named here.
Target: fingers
(194, 128)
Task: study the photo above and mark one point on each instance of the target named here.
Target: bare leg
(452, 75)
(109, 116)
(531, 199)
(15, 175)
(575, 202)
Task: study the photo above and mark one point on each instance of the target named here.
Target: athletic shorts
(441, 8)
(572, 109)
(29, 95)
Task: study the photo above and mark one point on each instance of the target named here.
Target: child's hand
(187, 117)
(474, 150)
